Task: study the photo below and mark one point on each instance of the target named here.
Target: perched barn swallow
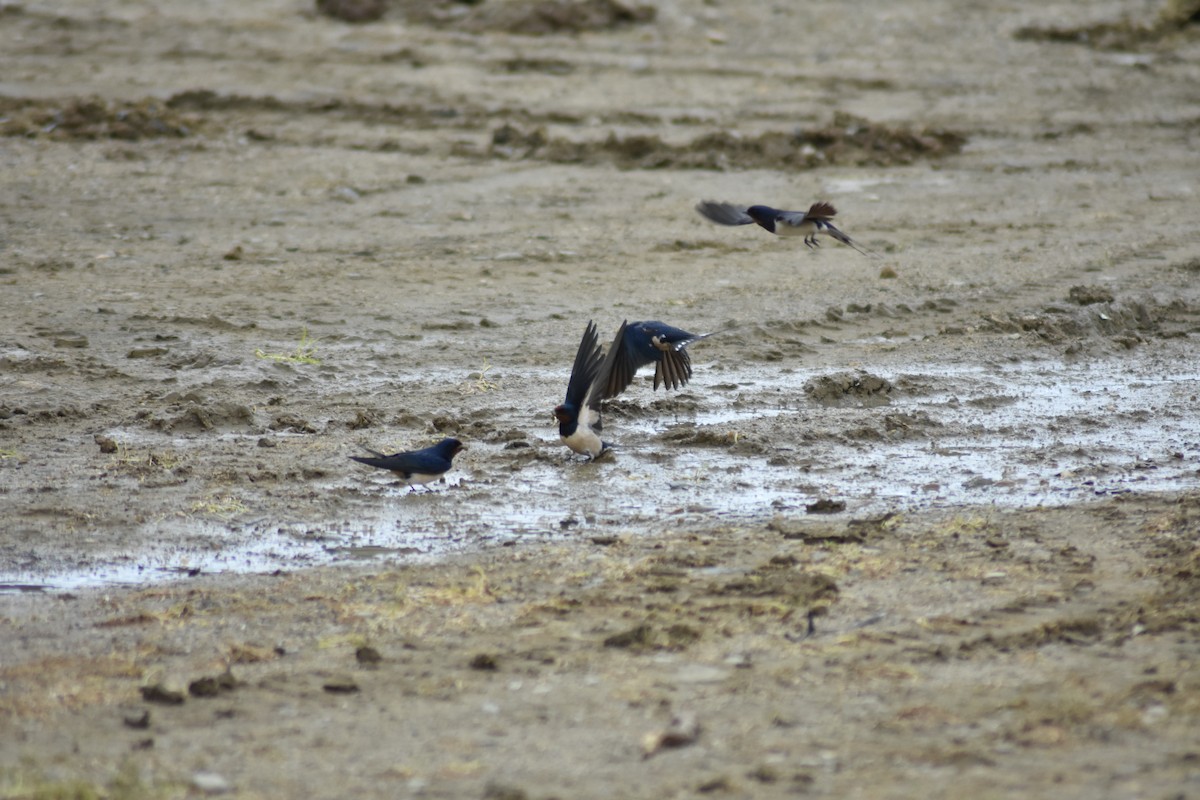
(416, 466)
(640, 343)
(579, 415)
(783, 223)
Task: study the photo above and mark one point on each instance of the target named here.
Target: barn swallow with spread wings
(640, 343)
(579, 414)
(818, 219)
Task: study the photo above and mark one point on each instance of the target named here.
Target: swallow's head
(449, 448)
(564, 414)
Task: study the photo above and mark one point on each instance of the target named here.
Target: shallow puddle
(1025, 434)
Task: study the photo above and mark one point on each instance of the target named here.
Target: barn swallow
(416, 467)
(579, 415)
(640, 343)
(818, 219)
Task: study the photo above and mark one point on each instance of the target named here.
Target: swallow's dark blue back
(764, 215)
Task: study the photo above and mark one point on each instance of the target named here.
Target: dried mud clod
(815, 533)
(212, 685)
(841, 388)
(529, 17)
(92, 118)
(1122, 323)
(340, 684)
(847, 140)
(503, 791)
(645, 637)
(356, 11)
(367, 656)
(782, 582)
(683, 730)
(484, 662)
(724, 436)
(163, 695)
(410, 115)
(1127, 34)
(203, 417)
(1087, 295)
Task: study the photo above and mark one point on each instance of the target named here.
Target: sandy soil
(924, 524)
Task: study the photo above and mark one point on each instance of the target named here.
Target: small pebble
(157, 693)
(210, 783)
(484, 661)
(368, 656)
(138, 720)
(340, 685)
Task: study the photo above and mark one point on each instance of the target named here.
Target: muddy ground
(924, 523)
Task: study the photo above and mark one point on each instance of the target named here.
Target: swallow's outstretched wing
(640, 343)
(724, 213)
(818, 219)
(578, 415)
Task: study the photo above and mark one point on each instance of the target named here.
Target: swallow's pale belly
(584, 441)
(803, 229)
(416, 478)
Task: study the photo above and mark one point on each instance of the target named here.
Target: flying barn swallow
(818, 219)
(640, 343)
(416, 467)
(579, 414)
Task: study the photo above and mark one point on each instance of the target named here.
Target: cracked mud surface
(242, 242)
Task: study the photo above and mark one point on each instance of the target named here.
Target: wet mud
(923, 524)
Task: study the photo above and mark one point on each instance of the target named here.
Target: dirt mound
(1123, 322)
(1088, 295)
(1127, 34)
(530, 17)
(848, 140)
(721, 436)
(353, 10)
(91, 118)
(856, 388)
(199, 417)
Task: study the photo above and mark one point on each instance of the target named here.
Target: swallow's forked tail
(829, 228)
